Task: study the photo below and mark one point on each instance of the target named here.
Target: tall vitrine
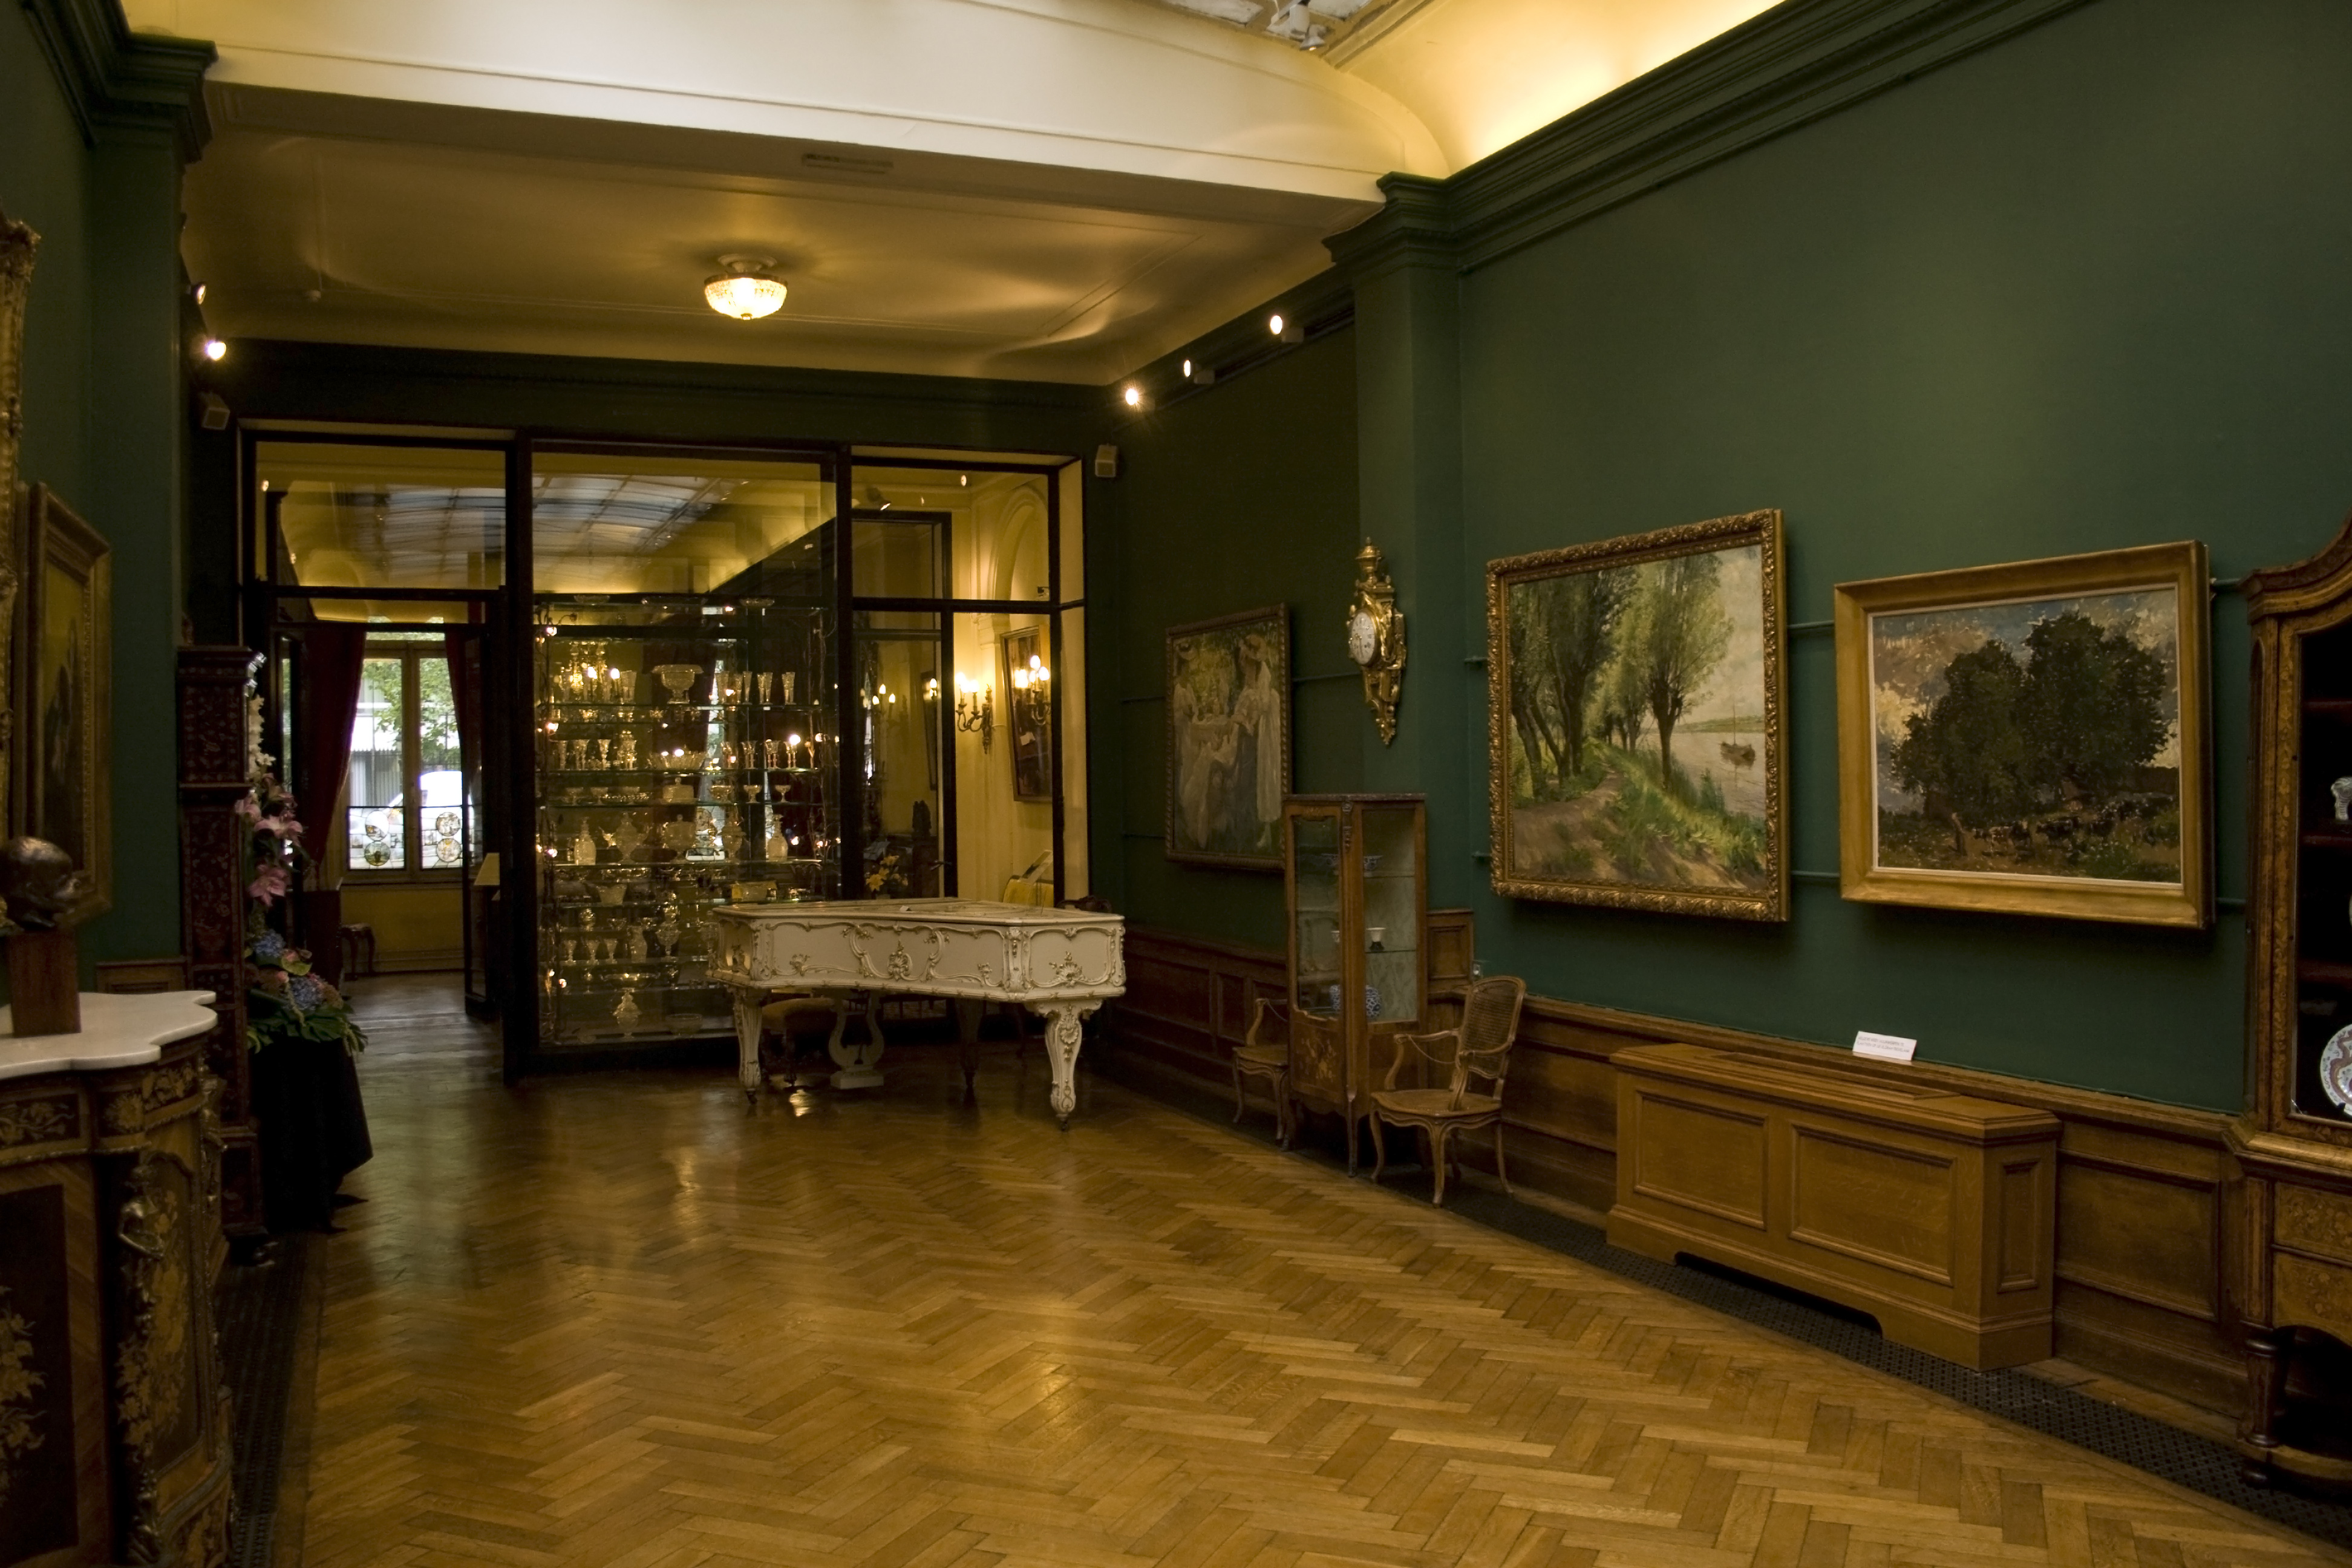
(1356, 875)
(2293, 1145)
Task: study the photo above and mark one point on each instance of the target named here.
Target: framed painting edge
(1011, 732)
(2182, 566)
(43, 512)
(1280, 614)
(1768, 905)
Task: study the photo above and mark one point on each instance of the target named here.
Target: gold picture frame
(18, 246)
(1229, 747)
(1598, 658)
(64, 691)
(2032, 738)
(1028, 714)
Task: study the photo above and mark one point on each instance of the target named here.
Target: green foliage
(2005, 739)
(1679, 634)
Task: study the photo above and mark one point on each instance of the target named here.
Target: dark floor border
(2183, 1458)
(267, 1311)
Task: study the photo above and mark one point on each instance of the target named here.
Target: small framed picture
(2030, 738)
(1029, 714)
(1229, 738)
(65, 699)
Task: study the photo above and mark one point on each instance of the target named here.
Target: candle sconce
(1031, 687)
(975, 708)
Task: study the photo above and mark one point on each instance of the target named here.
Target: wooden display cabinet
(1355, 869)
(2293, 1263)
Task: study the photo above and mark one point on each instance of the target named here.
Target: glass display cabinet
(685, 761)
(1355, 871)
(2293, 1145)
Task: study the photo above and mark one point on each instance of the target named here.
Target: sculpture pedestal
(43, 982)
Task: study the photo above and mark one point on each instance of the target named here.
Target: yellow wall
(417, 924)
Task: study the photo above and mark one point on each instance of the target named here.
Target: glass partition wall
(697, 677)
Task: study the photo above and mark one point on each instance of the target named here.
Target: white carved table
(1060, 964)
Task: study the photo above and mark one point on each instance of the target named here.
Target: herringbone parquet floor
(612, 1320)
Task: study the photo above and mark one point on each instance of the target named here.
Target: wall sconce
(975, 709)
(1032, 689)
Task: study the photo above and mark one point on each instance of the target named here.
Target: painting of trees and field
(2039, 738)
(1634, 745)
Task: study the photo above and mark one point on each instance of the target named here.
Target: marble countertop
(116, 1032)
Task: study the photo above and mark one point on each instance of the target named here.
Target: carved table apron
(1061, 963)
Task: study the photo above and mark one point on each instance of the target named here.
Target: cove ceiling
(1056, 190)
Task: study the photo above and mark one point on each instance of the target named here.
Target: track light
(213, 349)
(1132, 396)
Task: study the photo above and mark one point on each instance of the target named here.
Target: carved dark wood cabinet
(114, 1434)
(213, 779)
(2293, 1148)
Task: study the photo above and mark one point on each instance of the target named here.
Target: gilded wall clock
(1376, 638)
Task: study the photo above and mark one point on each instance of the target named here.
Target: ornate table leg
(747, 1041)
(967, 1012)
(855, 1065)
(2266, 1368)
(1063, 1036)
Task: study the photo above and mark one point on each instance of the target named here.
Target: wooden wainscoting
(2141, 1187)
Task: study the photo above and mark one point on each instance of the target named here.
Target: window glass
(602, 523)
(355, 515)
(995, 523)
(898, 557)
(377, 840)
(902, 686)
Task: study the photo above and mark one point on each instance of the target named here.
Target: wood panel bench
(1931, 1211)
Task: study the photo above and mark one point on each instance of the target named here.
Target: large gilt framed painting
(1229, 738)
(2030, 738)
(1635, 693)
(64, 691)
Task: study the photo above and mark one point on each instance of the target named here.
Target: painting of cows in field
(2037, 737)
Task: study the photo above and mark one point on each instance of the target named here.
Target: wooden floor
(613, 1320)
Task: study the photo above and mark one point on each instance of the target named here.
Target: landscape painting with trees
(2020, 749)
(1634, 702)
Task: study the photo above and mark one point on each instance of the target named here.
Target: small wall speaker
(1106, 462)
(215, 412)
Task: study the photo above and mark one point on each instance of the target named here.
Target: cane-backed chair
(1266, 1053)
(1478, 1048)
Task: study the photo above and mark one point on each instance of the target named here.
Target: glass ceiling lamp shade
(744, 290)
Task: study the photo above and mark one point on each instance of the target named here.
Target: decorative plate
(2335, 1069)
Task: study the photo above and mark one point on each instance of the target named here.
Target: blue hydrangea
(306, 992)
(269, 944)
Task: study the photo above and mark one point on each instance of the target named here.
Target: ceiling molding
(1797, 63)
(113, 77)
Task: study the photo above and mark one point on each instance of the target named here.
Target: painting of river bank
(1635, 691)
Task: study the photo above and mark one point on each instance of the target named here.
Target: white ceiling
(1050, 189)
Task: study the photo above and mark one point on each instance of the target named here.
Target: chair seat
(1434, 1103)
(1262, 1056)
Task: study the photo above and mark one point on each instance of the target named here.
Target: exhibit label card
(1886, 1047)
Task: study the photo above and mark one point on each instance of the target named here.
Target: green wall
(105, 380)
(2082, 289)
(1232, 497)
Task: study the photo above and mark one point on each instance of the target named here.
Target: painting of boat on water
(1634, 692)
(2020, 737)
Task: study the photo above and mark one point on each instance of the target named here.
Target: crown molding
(1797, 63)
(114, 77)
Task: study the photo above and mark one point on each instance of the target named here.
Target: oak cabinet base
(1931, 1211)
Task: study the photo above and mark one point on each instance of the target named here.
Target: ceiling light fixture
(744, 290)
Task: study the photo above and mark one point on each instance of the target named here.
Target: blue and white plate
(2335, 1069)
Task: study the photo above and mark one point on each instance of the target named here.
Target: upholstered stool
(795, 1020)
(358, 945)
(1262, 1055)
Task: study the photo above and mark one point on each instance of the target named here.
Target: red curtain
(326, 702)
(464, 650)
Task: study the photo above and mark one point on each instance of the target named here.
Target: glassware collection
(685, 761)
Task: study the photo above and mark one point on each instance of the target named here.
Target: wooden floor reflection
(611, 1320)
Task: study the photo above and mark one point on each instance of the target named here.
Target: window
(406, 812)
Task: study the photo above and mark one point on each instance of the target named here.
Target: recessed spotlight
(1132, 396)
(1188, 370)
(1273, 323)
(213, 349)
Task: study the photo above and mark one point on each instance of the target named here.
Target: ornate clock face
(1363, 637)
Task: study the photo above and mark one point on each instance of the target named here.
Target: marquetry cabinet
(114, 1421)
(2292, 1147)
(1356, 877)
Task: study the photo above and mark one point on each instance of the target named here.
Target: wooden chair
(1263, 1055)
(1479, 1047)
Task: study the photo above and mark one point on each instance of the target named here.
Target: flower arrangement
(286, 1001)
